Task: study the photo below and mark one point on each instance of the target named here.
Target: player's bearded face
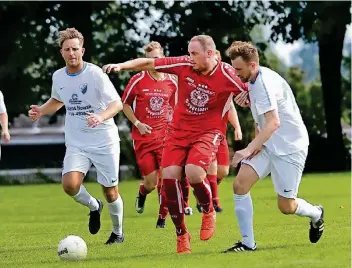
(72, 52)
(243, 69)
(198, 56)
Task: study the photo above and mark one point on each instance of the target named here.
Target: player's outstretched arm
(143, 128)
(233, 119)
(50, 107)
(141, 64)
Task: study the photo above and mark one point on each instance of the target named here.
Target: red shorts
(223, 155)
(182, 148)
(148, 154)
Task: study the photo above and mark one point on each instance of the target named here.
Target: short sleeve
(234, 83)
(54, 89)
(130, 91)
(106, 89)
(265, 99)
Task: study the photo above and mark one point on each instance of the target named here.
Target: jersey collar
(78, 73)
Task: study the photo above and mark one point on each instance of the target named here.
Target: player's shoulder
(138, 76)
(269, 75)
(59, 72)
(227, 69)
(91, 68)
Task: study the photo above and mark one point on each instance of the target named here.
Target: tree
(324, 22)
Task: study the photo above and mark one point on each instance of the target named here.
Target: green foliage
(115, 31)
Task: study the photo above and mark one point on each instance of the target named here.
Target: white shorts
(286, 170)
(107, 164)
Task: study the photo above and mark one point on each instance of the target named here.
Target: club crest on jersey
(84, 88)
(156, 103)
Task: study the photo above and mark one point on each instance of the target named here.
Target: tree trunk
(331, 39)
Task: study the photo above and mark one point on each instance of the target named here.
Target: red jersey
(203, 100)
(150, 100)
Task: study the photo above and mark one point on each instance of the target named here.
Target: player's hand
(144, 128)
(239, 156)
(115, 68)
(34, 113)
(5, 136)
(255, 153)
(94, 119)
(238, 134)
(242, 99)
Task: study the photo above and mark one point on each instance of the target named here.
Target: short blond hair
(206, 41)
(152, 46)
(246, 50)
(70, 33)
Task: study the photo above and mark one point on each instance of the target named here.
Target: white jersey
(2, 104)
(271, 92)
(89, 90)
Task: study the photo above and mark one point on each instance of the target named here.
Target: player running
(148, 101)
(91, 136)
(220, 167)
(280, 147)
(205, 89)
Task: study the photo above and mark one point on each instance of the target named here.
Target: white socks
(84, 198)
(304, 209)
(116, 214)
(244, 214)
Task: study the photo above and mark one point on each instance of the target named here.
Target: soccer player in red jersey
(205, 88)
(147, 100)
(220, 168)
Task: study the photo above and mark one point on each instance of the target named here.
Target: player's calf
(145, 188)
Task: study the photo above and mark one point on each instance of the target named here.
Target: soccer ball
(72, 248)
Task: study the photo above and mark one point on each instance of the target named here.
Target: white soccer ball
(72, 248)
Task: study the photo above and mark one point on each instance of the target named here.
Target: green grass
(35, 217)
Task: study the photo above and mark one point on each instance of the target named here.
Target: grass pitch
(35, 217)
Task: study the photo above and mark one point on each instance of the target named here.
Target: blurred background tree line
(117, 31)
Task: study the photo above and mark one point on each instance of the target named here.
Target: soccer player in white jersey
(4, 121)
(91, 136)
(280, 146)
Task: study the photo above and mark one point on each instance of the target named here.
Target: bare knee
(240, 186)
(212, 169)
(244, 180)
(223, 171)
(195, 174)
(111, 193)
(150, 181)
(287, 206)
(171, 172)
(71, 182)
